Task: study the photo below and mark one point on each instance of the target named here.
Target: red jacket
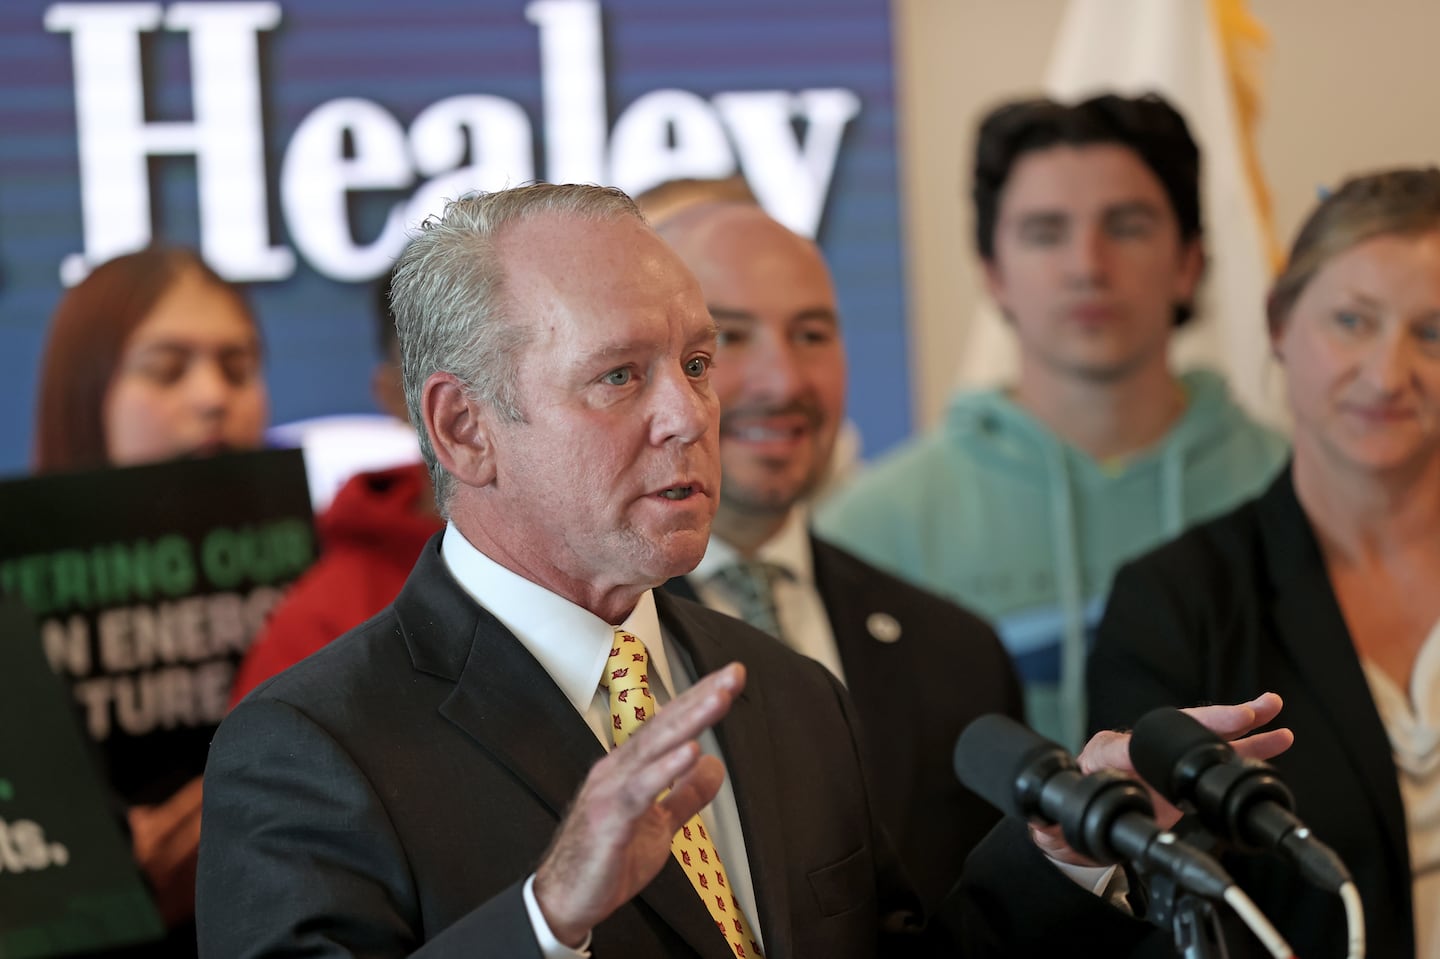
(370, 538)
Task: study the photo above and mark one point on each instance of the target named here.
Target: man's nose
(773, 370)
(1087, 253)
(684, 408)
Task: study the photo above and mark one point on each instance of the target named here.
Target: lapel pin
(883, 627)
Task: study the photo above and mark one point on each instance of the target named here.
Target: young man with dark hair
(1026, 499)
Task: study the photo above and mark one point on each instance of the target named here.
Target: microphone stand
(1192, 920)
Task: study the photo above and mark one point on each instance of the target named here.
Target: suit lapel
(501, 692)
(750, 766)
(1311, 627)
(510, 707)
(508, 704)
(873, 671)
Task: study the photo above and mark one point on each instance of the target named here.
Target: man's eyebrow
(707, 335)
(609, 350)
(1042, 218)
(628, 347)
(824, 314)
(729, 313)
(1141, 208)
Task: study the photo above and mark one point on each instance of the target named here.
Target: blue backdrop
(295, 141)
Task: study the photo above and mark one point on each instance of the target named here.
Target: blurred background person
(370, 537)
(780, 377)
(1023, 502)
(664, 201)
(152, 357)
(1326, 588)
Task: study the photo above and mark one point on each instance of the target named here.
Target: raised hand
(1110, 749)
(616, 837)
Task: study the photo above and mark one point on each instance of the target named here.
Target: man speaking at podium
(481, 769)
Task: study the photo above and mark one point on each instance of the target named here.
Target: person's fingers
(170, 822)
(166, 839)
(1231, 722)
(1266, 745)
(1111, 749)
(617, 834)
(188, 796)
(663, 754)
(184, 816)
(1266, 706)
(624, 785)
(685, 717)
(1052, 843)
(1107, 749)
(693, 791)
(639, 788)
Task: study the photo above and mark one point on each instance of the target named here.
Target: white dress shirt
(572, 645)
(798, 604)
(1412, 722)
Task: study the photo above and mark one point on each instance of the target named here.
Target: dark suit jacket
(914, 696)
(1238, 606)
(389, 795)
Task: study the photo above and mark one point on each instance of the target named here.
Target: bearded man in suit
(780, 377)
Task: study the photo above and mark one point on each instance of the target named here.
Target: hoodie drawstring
(1172, 491)
(1073, 648)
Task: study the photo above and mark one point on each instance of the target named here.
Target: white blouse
(1413, 724)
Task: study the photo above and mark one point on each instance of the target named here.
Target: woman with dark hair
(1326, 589)
(152, 357)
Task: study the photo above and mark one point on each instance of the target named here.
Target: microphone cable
(1260, 926)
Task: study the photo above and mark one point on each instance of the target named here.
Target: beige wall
(1349, 87)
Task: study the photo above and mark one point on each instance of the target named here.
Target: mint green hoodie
(993, 511)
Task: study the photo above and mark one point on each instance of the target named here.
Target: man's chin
(756, 501)
(680, 553)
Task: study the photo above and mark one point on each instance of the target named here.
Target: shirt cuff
(550, 947)
(1108, 882)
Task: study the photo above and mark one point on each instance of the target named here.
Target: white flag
(1175, 48)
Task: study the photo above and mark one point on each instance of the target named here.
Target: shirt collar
(789, 549)
(570, 643)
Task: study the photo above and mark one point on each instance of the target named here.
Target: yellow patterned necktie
(631, 703)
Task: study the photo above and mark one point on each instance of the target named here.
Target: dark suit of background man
(918, 667)
(436, 783)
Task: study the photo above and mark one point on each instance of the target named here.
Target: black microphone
(1240, 799)
(1104, 815)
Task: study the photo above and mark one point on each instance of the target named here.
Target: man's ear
(994, 284)
(459, 428)
(1192, 269)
